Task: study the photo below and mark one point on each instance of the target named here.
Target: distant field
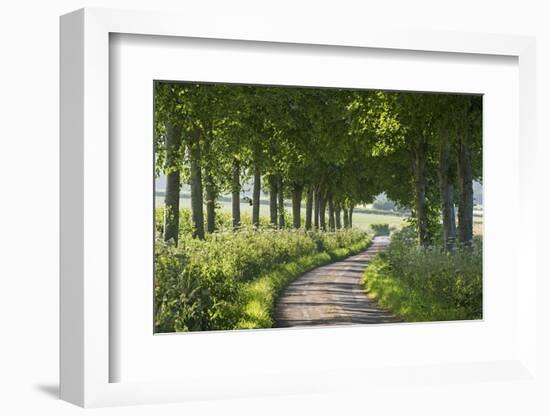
(360, 219)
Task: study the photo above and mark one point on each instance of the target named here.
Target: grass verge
(427, 284)
(417, 300)
(261, 294)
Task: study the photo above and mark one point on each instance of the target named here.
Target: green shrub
(383, 204)
(380, 229)
(427, 284)
(224, 221)
(180, 302)
(185, 227)
(200, 285)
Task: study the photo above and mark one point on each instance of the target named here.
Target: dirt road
(332, 295)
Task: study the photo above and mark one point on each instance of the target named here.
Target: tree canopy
(332, 148)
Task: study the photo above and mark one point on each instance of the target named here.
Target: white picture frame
(86, 356)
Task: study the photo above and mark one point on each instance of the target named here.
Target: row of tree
(333, 148)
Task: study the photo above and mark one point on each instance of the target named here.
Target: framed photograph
(275, 212)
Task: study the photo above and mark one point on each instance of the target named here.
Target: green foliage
(347, 146)
(380, 229)
(185, 224)
(352, 144)
(223, 221)
(201, 284)
(385, 205)
(181, 303)
(427, 284)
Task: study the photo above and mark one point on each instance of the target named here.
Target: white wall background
(29, 206)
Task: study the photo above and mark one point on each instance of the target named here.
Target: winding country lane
(332, 295)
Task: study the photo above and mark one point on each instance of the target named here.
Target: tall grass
(427, 284)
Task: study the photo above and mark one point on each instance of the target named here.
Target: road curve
(332, 295)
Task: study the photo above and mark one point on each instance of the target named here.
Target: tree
(296, 205)
(468, 161)
(337, 215)
(322, 210)
(331, 219)
(281, 201)
(235, 193)
(173, 141)
(196, 183)
(183, 106)
(316, 207)
(346, 217)
(273, 184)
(446, 109)
(168, 152)
(211, 189)
(309, 207)
(256, 196)
(334, 149)
(446, 188)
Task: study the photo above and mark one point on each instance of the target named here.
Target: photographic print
(280, 207)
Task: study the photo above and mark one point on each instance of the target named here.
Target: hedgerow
(432, 284)
(206, 284)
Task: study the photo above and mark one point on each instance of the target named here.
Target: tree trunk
(446, 192)
(309, 206)
(346, 217)
(281, 202)
(256, 197)
(197, 216)
(317, 207)
(236, 194)
(350, 216)
(465, 192)
(273, 200)
(420, 192)
(337, 215)
(211, 195)
(172, 195)
(297, 206)
(322, 210)
(331, 220)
